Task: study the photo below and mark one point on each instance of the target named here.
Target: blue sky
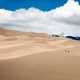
(65, 19)
(41, 4)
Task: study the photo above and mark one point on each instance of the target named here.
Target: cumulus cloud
(64, 19)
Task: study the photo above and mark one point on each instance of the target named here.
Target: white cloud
(64, 19)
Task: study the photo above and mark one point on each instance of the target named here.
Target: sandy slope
(32, 56)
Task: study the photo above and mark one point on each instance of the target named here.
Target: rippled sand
(34, 56)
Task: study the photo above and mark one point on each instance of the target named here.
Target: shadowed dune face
(42, 66)
(35, 56)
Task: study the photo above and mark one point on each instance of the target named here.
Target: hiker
(67, 51)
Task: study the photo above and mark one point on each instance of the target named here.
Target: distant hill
(74, 38)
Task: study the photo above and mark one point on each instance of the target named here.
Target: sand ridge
(35, 56)
(17, 44)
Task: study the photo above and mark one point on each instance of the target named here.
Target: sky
(41, 4)
(46, 16)
(44, 5)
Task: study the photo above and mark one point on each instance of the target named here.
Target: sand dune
(34, 56)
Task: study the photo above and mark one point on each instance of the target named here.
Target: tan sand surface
(34, 56)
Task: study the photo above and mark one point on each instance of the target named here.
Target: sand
(34, 56)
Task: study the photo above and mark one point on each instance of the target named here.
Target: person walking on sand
(67, 51)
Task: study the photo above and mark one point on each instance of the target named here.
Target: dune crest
(17, 44)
